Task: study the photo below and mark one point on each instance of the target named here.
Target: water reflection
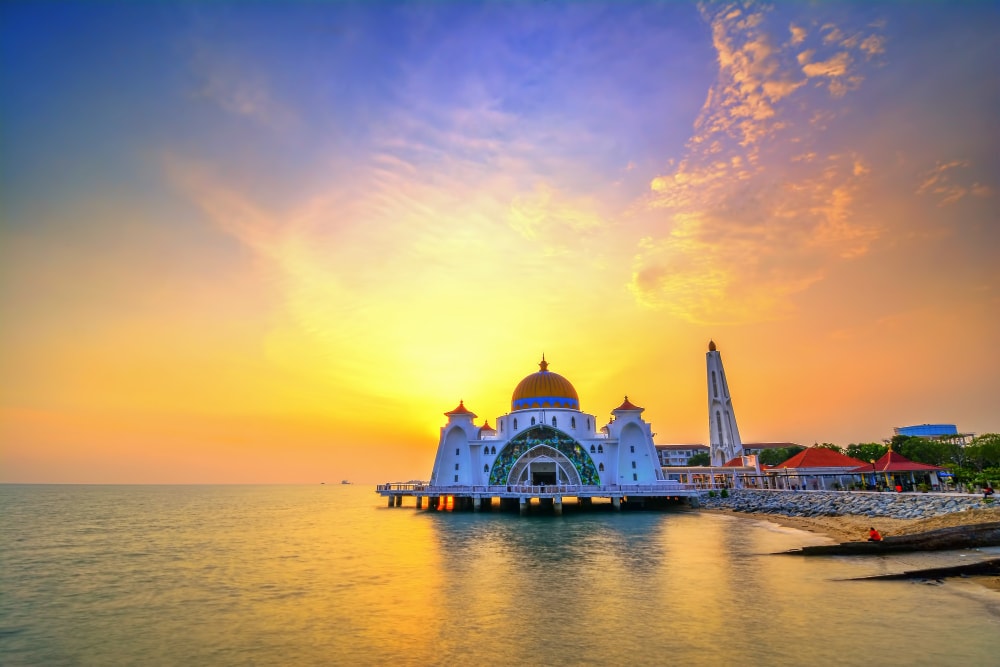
(326, 575)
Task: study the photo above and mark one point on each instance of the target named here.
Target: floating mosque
(547, 449)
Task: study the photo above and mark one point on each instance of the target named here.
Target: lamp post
(874, 479)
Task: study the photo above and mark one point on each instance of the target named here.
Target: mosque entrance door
(543, 466)
(543, 473)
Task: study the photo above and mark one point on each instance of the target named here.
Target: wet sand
(853, 528)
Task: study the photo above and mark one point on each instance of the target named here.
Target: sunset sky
(274, 242)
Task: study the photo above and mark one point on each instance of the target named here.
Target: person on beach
(874, 535)
(987, 492)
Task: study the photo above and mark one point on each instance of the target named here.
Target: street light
(874, 478)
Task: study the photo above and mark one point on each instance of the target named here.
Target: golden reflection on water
(328, 575)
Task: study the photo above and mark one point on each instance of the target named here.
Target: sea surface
(328, 575)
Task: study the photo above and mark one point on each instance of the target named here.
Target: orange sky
(235, 248)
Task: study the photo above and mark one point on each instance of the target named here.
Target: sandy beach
(853, 528)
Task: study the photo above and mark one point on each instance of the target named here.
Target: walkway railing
(665, 487)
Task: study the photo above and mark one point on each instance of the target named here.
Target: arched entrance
(543, 466)
(544, 455)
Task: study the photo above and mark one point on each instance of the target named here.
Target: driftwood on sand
(986, 567)
(955, 537)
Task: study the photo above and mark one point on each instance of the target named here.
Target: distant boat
(344, 481)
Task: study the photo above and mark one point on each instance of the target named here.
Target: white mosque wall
(623, 451)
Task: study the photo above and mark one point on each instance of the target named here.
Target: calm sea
(265, 575)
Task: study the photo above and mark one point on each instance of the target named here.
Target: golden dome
(544, 389)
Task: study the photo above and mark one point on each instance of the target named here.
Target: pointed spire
(627, 405)
(544, 365)
(711, 346)
(460, 410)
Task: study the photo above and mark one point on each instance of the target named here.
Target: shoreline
(854, 528)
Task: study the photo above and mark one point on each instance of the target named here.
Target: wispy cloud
(236, 87)
(949, 182)
(755, 211)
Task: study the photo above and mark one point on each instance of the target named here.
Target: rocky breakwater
(839, 503)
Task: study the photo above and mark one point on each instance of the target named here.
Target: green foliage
(724, 493)
(934, 452)
(983, 452)
(831, 446)
(711, 494)
(867, 451)
(700, 459)
(898, 441)
(773, 457)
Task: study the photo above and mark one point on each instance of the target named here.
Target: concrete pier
(546, 499)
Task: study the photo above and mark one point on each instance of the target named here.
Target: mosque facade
(547, 447)
(546, 440)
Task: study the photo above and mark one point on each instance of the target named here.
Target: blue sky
(303, 210)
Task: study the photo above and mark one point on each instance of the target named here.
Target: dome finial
(544, 365)
(711, 346)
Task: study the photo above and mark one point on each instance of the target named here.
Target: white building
(724, 436)
(679, 455)
(546, 439)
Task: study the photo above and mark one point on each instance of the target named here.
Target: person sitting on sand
(987, 492)
(874, 535)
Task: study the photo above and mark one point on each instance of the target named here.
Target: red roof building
(816, 468)
(896, 471)
(895, 462)
(820, 457)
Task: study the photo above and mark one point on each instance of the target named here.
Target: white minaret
(724, 436)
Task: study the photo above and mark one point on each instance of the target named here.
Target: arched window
(600, 468)
(593, 449)
(515, 424)
(532, 421)
(553, 421)
(715, 385)
(493, 450)
(600, 449)
(588, 423)
(572, 422)
(718, 421)
(456, 466)
(457, 451)
(635, 477)
(486, 468)
(632, 448)
(633, 465)
(501, 427)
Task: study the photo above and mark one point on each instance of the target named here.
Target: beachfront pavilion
(815, 468)
(894, 469)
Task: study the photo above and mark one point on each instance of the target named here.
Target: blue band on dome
(545, 402)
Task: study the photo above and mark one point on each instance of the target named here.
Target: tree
(934, 452)
(866, 451)
(983, 452)
(772, 457)
(830, 446)
(700, 459)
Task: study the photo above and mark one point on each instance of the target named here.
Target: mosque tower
(724, 436)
